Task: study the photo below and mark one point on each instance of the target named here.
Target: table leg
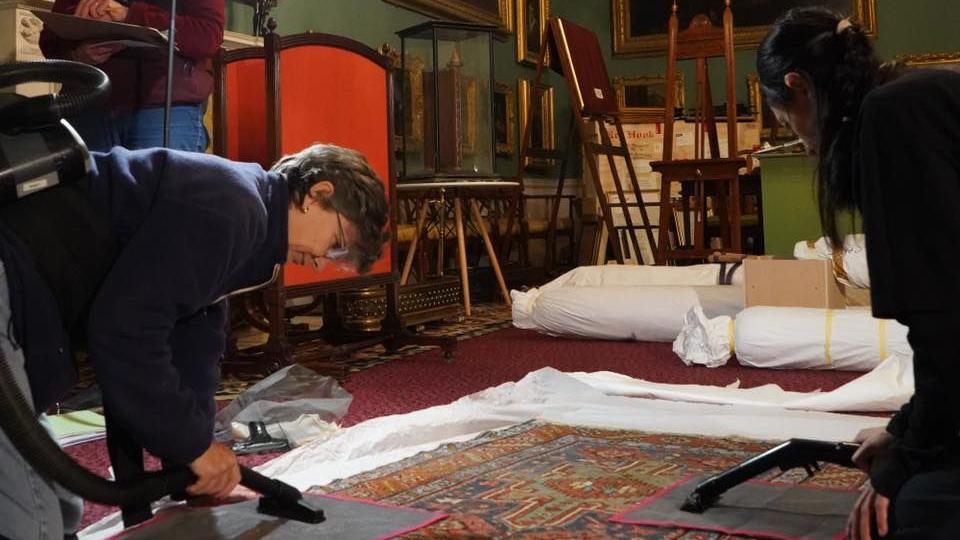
(491, 252)
(408, 263)
(462, 254)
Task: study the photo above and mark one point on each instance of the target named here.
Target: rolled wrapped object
(794, 338)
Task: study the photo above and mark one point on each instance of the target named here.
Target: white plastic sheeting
(550, 396)
(849, 264)
(886, 388)
(644, 303)
(704, 341)
(779, 337)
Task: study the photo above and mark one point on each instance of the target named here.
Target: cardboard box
(792, 283)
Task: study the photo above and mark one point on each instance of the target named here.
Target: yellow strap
(730, 336)
(882, 331)
(828, 333)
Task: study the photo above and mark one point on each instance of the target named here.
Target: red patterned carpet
(538, 481)
(423, 380)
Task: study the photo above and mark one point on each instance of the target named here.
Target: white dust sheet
(587, 399)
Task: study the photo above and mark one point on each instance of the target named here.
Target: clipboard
(74, 28)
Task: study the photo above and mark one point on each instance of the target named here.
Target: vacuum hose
(86, 85)
(43, 454)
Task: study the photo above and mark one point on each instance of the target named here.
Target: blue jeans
(143, 128)
(30, 505)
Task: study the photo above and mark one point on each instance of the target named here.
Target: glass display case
(447, 85)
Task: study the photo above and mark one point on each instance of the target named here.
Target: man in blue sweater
(190, 230)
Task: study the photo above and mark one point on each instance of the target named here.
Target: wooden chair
(700, 176)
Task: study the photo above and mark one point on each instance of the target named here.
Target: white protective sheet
(644, 303)
(853, 271)
(886, 388)
(584, 399)
(806, 338)
(552, 396)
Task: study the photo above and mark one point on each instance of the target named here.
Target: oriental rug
(538, 481)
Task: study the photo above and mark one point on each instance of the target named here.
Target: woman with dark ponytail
(887, 142)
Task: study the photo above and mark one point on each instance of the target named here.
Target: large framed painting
(532, 18)
(640, 26)
(498, 12)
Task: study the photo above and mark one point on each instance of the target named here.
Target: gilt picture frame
(640, 26)
(937, 60)
(531, 23)
(541, 112)
(641, 98)
(497, 12)
(504, 119)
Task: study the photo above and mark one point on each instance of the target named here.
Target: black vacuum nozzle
(696, 504)
(300, 510)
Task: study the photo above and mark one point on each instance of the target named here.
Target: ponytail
(838, 61)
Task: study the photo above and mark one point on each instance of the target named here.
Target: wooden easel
(700, 42)
(575, 53)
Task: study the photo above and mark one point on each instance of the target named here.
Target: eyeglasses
(340, 251)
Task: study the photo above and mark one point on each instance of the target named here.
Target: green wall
(913, 26)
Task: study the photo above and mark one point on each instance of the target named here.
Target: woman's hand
(873, 442)
(104, 10)
(871, 507)
(217, 472)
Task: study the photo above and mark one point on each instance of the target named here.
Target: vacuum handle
(268, 487)
(177, 480)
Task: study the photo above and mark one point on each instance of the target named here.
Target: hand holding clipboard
(73, 28)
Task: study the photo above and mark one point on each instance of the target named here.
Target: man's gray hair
(358, 194)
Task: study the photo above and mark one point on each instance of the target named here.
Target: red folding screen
(338, 91)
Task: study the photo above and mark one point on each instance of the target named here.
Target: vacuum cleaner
(40, 151)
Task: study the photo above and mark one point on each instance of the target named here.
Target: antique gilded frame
(471, 95)
(645, 115)
(461, 10)
(950, 60)
(754, 98)
(524, 54)
(506, 148)
(547, 113)
(413, 100)
(624, 44)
